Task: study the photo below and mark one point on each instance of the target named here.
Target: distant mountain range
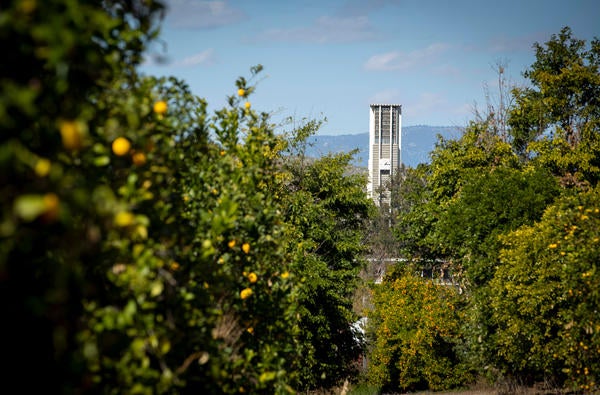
(417, 142)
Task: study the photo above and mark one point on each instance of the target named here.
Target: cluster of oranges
(121, 146)
(73, 133)
(72, 136)
(242, 93)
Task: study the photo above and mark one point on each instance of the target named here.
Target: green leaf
(266, 376)
(101, 161)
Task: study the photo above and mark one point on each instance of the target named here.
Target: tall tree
(565, 93)
(328, 209)
(487, 206)
(498, 105)
(413, 212)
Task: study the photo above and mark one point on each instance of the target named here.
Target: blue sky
(332, 58)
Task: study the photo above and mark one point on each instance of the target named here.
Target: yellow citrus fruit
(42, 167)
(124, 218)
(160, 107)
(139, 158)
(246, 247)
(231, 244)
(247, 105)
(241, 92)
(121, 146)
(245, 293)
(252, 277)
(71, 134)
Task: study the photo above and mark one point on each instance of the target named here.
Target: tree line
(512, 210)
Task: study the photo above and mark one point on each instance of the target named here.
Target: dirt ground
(476, 389)
(486, 390)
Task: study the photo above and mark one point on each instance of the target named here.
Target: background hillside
(417, 143)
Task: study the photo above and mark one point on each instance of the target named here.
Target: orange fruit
(139, 158)
(71, 134)
(121, 146)
(160, 107)
(245, 293)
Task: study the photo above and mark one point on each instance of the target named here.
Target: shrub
(545, 295)
(414, 327)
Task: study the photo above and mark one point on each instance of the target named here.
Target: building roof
(386, 104)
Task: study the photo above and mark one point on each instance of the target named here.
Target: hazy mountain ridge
(417, 143)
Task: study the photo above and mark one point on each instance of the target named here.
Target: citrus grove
(147, 246)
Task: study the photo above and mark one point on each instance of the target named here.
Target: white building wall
(371, 154)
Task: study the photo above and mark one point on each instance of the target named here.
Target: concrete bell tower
(385, 141)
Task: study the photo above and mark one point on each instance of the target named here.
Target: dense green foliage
(489, 205)
(147, 246)
(329, 211)
(513, 217)
(545, 294)
(59, 56)
(416, 323)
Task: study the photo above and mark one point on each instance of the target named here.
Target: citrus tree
(140, 242)
(545, 295)
(197, 291)
(414, 327)
(556, 120)
(58, 55)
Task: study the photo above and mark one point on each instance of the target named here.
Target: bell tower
(385, 139)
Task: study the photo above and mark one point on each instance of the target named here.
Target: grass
(363, 389)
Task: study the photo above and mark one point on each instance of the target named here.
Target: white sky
(332, 58)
